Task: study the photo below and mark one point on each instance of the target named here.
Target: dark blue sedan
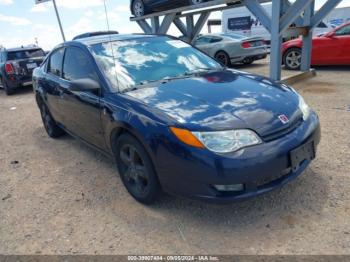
(143, 7)
(174, 119)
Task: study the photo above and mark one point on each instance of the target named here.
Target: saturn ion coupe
(175, 120)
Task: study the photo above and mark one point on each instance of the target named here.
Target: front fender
(116, 120)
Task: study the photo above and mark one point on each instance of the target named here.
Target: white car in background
(232, 48)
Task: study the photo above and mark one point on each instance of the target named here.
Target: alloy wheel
(138, 8)
(293, 59)
(223, 58)
(134, 170)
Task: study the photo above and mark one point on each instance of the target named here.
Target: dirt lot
(61, 197)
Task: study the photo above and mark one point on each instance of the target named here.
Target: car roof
(109, 38)
(95, 33)
(21, 48)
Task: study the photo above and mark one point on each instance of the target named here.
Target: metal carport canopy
(284, 13)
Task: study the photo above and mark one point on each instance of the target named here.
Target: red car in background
(332, 48)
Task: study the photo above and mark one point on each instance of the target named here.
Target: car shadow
(339, 68)
(24, 90)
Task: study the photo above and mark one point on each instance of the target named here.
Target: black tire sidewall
(8, 91)
(154, 189)
(56, 131)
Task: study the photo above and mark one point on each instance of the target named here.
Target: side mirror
(83, 85)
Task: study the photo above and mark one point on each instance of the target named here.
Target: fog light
(229, 188)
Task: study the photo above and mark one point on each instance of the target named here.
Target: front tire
(138, 8)
(292, 58)
(52, 129)
(223, 58)
(136, 170)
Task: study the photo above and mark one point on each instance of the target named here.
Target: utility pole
(59, 20)
(57, 15)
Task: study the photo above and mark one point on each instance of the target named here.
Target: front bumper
(192, 172)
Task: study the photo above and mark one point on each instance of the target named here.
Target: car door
(325, 51)
(203, 43)
(51, 83)
(82, 111)
(343, 37)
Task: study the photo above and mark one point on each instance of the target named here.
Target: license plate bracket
(302, 153)
(31, 65)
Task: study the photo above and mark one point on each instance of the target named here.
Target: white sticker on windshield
(177, 43)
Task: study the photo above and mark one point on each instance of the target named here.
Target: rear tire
(292, 58)
(248, 61)
(136, 170)
(52, 129)
(223, 58)
(9, 91)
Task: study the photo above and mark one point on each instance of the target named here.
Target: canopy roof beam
(300, 14)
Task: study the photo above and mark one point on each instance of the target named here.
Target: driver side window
(77, 65)
(343, 31)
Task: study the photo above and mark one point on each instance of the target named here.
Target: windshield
(134, 62)
(25, 54)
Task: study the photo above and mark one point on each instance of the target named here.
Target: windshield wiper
(202, 70)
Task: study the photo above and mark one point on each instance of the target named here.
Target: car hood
(223, 100)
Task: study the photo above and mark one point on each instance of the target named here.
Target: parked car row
(174, 119)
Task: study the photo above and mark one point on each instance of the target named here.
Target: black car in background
(17, 65)
(144, 7)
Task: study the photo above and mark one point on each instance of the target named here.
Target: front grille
(283, 131)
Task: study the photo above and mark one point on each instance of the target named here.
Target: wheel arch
(287, 49)
(121, 128)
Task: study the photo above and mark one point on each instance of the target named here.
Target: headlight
(304, 108)
(227, 141)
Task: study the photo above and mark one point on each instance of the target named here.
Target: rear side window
(343, 31)
(55, 62)
(25, 54)
(77, 65)
(203, 40)
(215, 39)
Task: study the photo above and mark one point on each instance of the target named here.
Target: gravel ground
(61, 197)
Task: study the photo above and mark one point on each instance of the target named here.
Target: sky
(23, 23)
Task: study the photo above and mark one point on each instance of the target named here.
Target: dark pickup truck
(17, 65)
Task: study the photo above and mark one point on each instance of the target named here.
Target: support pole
(307, 40)
(155, 24)
(199, 26)
(59, 20)
(276, 41)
